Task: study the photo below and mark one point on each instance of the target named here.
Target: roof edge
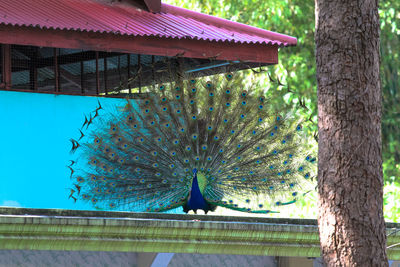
(224, 23)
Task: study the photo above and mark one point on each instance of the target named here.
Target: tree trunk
(351, 224)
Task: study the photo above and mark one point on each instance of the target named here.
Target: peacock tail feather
(194, 143)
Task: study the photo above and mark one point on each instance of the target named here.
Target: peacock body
(194, 144)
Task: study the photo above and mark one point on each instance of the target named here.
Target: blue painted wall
(34, 131)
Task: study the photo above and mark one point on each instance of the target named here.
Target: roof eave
(224, 23)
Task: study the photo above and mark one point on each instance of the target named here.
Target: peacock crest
(196, 144)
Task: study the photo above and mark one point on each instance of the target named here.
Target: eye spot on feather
(173, 153)
(204, 147)
(283, 181)
(298, 128)
(271, 187)
(188, 148)
(112, 205)
(162, 87)
(192, 102)
(194, 117)
(94, 200)
(194, 90)
(244, 103)
(155, 165)
(80, 179)
(216, 137)
(221, 150)
(229, 76)
(154, 153)
(260, 206)
(307, 176)
(209, 158)
(210, 108)
(137, 169)
(283, 141)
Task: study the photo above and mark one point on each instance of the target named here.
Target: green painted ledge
(50, 229)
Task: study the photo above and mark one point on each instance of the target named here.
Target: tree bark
(350, 182)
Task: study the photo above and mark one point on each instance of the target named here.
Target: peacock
(194, 143)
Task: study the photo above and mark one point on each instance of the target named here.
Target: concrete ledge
(73, 230)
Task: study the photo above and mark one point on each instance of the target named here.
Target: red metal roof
(123, 19)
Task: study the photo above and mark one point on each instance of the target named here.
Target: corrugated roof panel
(123, 19)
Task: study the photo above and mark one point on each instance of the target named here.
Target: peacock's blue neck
(196, 200)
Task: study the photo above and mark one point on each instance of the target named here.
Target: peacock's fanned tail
(141, 157)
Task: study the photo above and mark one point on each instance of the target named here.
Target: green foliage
(390, 77)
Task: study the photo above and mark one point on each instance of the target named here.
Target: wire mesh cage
(88, 72)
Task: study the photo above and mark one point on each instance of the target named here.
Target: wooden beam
(105, 75)
(260, 53)
(56, 71)
(6, 52)
(97, 74)
(82, 77)
(33, 68)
